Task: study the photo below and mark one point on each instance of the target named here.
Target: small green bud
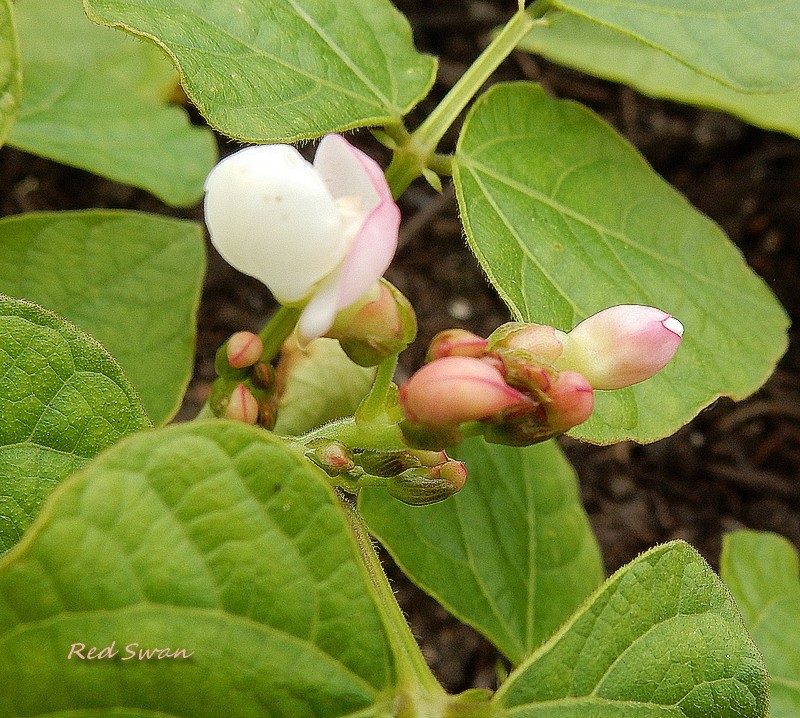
(428, 485)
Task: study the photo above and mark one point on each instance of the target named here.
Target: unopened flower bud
(264, 375)
(571, 401)
(456, 342)
(244, 349)
(454, 389)
(242, 405)
(428, 485)
(378, 325)
(538, 341)
(621, 345)
(331, 456)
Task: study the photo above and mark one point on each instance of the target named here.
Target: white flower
(318, 236)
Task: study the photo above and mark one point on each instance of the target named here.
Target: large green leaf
(131, 280)
(94, 100)
(214, 538)
(749, 44)
(762, 571)
(576, 42)
(62, 400)
(10, 72)
(661, 639)
(568, 219)
(287, 69)
(511, 554)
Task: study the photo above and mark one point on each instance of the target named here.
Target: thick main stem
(412, 669)
(410, 160)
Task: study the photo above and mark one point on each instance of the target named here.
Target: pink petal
(452, 390)
(348, 172)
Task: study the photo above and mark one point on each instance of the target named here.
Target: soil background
(734, 466)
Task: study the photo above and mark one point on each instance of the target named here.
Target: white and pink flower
(317, 235)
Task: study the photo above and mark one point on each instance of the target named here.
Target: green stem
(374, 403)
(377, 435)
(411, 666)
(278, 328)
(413, 157)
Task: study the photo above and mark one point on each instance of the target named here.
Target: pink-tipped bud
(453, 390)
(331, 456)
(571, 401)
(538, 341)
(244, 349)
(621, 345)
(428, 485)
(378, 325)
(242, 405)
(456, 342)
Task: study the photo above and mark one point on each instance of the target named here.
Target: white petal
(319, 314)
(348, 172)
(271, 216)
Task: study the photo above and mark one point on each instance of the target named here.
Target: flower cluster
(529, 382)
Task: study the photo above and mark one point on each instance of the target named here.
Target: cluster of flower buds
(530, 382)
(412, 476)
(245, 389)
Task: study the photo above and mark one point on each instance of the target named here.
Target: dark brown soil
(735, 466)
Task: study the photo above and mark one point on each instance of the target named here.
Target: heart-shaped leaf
(131, 280)
(96, 101)
(568, 219)
(287, 69)
(511, 554)
(62, 400)
(750, 44)
(661, 639)
(598, 50)
(762, 571)
(214, 539)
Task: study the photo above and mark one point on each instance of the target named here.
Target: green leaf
(568, 219)
(750, 45)
(62, 400)
(95, 100)
(763, 573)
(287, 69)
(212, 537)
(511, 554)
(10, 71)
(661, 639)
(318, 384)
(584, 45)
(131, 280)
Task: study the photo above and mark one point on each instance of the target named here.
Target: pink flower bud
(244, 349)
(242, 405)
(571, 401)
(378, 325)
(621, 345)
(456, 342)
(453, 390)
(537, 340)
(331, 456)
